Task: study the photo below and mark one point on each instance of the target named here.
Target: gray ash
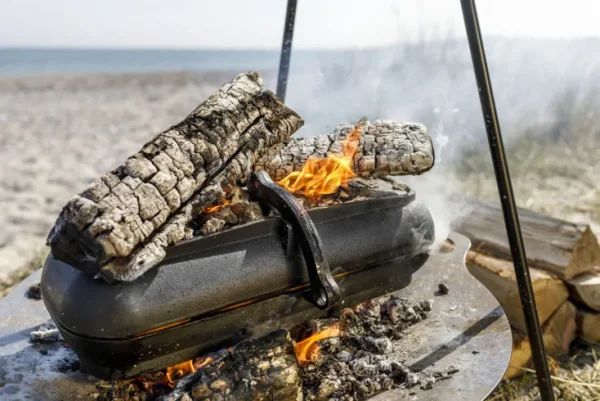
(46, 333)
(361, 362)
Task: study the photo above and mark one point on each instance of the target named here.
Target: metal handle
(325, 291)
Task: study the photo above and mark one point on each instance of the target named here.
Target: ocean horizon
(41, 61)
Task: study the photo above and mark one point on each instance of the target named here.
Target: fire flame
(213, 209)
(178, 371)
(308, 349)
(320, 176)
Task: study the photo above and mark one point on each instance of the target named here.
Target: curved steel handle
(325, 291)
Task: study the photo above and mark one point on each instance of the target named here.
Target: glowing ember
(213, 209)
(320, 177)
(176, 372)
(202, 362)
(307, 350)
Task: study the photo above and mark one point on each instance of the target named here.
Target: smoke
(433, 83)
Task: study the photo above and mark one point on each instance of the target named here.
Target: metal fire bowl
(466, 328)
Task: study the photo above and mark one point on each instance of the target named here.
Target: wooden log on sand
(558, 333)
(499, 277)
(383, 148)
(559, 247)
(120, 225)
(586, 289)
(259, 369)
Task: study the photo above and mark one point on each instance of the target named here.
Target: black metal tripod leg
(509, 208)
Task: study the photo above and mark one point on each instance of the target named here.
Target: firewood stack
(564, 260)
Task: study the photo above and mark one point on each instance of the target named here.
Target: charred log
(120, 225)
(260, 369)
(384, 148)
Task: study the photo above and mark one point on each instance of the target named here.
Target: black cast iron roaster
(213, 291)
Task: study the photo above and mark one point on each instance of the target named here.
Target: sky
(259, 23)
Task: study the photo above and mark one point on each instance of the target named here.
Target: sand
(59, 133)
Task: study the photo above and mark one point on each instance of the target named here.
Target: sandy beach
(61, 132)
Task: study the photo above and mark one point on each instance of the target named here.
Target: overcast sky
(258, 23)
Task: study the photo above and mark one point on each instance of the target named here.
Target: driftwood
(558, 333)
(258, 369)
(120, 225)
(384, 148)
(559, 247)
(586, 290)
(588, 325)
(499, 277)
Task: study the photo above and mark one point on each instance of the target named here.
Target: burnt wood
(256, 369)
(562, 248)
(384, 148)
(125, 220)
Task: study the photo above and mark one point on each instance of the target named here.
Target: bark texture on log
(559, 247)
(125, 219)
(257, 369)
(385, 148)
(499, 277)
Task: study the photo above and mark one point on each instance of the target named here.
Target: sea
(82, 61)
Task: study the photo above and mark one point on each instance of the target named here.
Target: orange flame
(178, 371)
(319, 176)
(308, 349)
(213, 209)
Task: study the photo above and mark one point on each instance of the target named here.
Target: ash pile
(362, 361)
(351, 357)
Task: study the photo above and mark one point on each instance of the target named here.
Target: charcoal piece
(426, 305)
(427, 383)
(34, 291)
(257, 369)
(121, 224)
(384, 148)
(212, 225)
(46, 333)
(121, 391)
(443, 289)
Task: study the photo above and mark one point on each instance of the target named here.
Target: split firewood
(588, 325)
(586, 289)
(384, 148)
(559, 247)
(121, 224)
(499, 277)
(558, 333)
(259, 369)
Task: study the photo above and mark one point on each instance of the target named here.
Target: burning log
(499, 277)
(258, 369)
(382, 148)
(559, 247)
(120, 225)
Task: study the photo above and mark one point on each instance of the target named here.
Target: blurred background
(84, 84)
